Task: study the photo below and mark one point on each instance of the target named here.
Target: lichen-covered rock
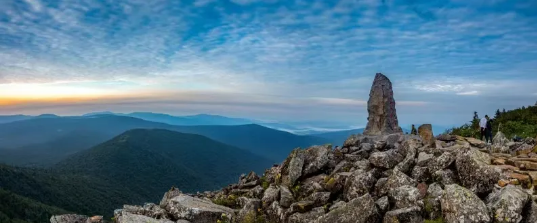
(446, 138)
(295, 167)
(395, 180)
(408, 162)
(441, 162)
(359, 210)
(431, 202)
(476, 142)
(530, 213)
(173, 192)
(421, 174)
(387, 159)
(424, 159)
(319, 198)
(359, 183)
(426, 133)
(286, 197)
(445, 177)
(475, 172)
(507, 204)
(249, 209)
(462, 205)
(307, 217)
(301, 207)
(410, 214)
(196, 210)
(272, 193)
(405, 196)
(315, 159)
(381, 108)
(383, 204)
(69, 218)
(275, 212)
(127, 217)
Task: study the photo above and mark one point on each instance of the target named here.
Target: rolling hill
(18, 209)
(35, 141)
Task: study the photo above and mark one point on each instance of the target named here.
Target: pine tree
(497, 114)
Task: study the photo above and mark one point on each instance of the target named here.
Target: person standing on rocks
(483, 127)
(488, 130)
(413, 131)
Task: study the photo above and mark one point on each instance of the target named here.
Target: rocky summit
(383, 176)
(381, 108)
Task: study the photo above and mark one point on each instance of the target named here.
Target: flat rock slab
(196, 210)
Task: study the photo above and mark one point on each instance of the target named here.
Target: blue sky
(292, 60)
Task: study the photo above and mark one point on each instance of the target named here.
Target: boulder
(475, 171)
(301, 207)
(249, 209)
(383, 204)
(315, 159)
(387, 159)
(196, 210)
(408, 162)
(359, 210)
(272, 193)
(424, 159)
(397, 179)
(446, 138)
(286, 197)
(382, 118)
(411, 214)
(476, 142)
(69, 218)
(426, 133)
(149, 209)
(500, 141)
(319, 198)
(431, 202)
(441, 162)
(405, 196)
(507, 204)
(276, 213)
(294, 169)
(530, 213)
(359, 184)
(421, 174)
(445, 177)
(173, 192)
(133, 218)
(307, 217)
(462, 205)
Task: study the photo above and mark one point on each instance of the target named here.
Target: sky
(289, 61)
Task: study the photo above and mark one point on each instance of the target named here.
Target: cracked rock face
(381, 107)
(461, 205)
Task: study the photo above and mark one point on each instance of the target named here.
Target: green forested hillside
(518, 122)
(17, 209)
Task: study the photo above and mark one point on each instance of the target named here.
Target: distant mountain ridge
(17, 137)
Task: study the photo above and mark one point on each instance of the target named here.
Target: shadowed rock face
(381, 108)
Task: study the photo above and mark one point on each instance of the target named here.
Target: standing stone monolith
(381, 108)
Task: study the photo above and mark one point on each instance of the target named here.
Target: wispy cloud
(320, 50)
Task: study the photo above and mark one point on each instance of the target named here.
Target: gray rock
(272, 193)
(359, 184)
(424, 159)
(308, 217)
(407, 164)
(286, 197)
(275, 212)
(382, 118)
(421, 174)
(337, 205)
(249, 209)
(441, 162)
(530, 215)
(196, 210)
(446, 138)
(475, 171)
(173, 192)
(301, 207)
(411, 214)
(426, 133)
(256, 192)
(319, 198)
(69, 218)
(397, 179)
(507, 204)
(405, 196)
(295, 166)
(446, 177)
(383, 204)
(316, 158)
(367, 147)
(133, 218)
(431, 202)
(387, 159)
(359, 210)
(461, 205)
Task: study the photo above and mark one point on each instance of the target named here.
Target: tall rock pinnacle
(381, 108)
